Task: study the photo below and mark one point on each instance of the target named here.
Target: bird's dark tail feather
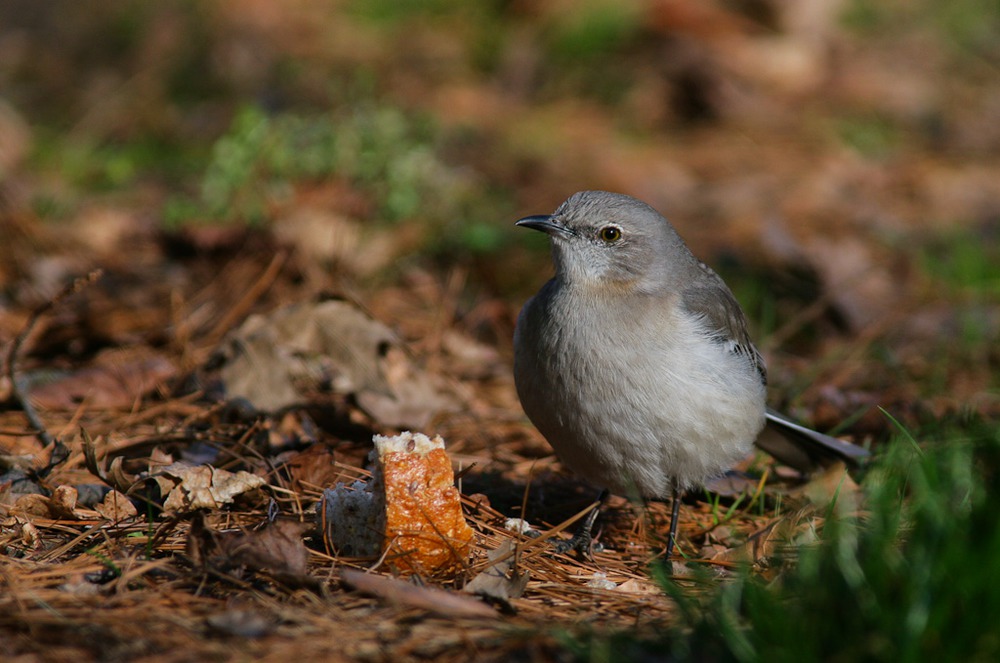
(805, 449)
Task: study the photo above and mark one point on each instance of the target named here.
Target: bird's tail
(803, 448)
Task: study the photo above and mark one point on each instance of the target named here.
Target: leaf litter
(185, 539)
(93, 563)
(176, 515)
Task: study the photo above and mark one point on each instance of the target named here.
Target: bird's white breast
(682, 409)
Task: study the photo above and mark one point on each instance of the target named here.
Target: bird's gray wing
(796, 446)
(709, 298)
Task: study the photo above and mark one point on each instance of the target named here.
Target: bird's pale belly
(677, 416)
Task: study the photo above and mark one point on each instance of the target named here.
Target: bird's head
(603, 240)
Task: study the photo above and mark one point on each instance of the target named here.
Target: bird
(634, 360)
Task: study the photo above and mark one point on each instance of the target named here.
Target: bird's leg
(583, 539)
(675, 508)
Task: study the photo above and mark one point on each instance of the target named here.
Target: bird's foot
(582, 544)
(583, 541)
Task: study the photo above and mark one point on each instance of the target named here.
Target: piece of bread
(410, 511)
(425, 529)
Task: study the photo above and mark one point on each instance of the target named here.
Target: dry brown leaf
(277, 548)
(60, 506)
(115, 476)
(859, 281)
(116, 507)
(639, 586)
(31, 504)
(20, 462)
(732, 484)
(499, 581)
(315, 466)
(117, 384)
(271, 358)
(834, 485)
(274, 361)
(759, 546)
(601, 581)
(188, 488)
(185, 487)
(19, 528)
(413, 397)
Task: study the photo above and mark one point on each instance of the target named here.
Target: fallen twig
(18, 394)
(427, 598)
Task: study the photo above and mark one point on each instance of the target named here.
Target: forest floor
(249, 239)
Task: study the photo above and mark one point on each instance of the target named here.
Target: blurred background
(837, 161)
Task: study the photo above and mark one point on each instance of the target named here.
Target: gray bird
(635, 363)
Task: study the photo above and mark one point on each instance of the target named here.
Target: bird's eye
(610, 234)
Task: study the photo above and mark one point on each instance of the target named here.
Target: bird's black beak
(547, 223)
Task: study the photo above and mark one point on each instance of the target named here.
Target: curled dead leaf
(61, 505)
(32, 504)
(116, 507)
(63, 502)
(277, 548)
(500, 581)
(116, 477)
(188, 488)
(18, 529)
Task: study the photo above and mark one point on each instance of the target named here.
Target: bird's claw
(582, 544)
